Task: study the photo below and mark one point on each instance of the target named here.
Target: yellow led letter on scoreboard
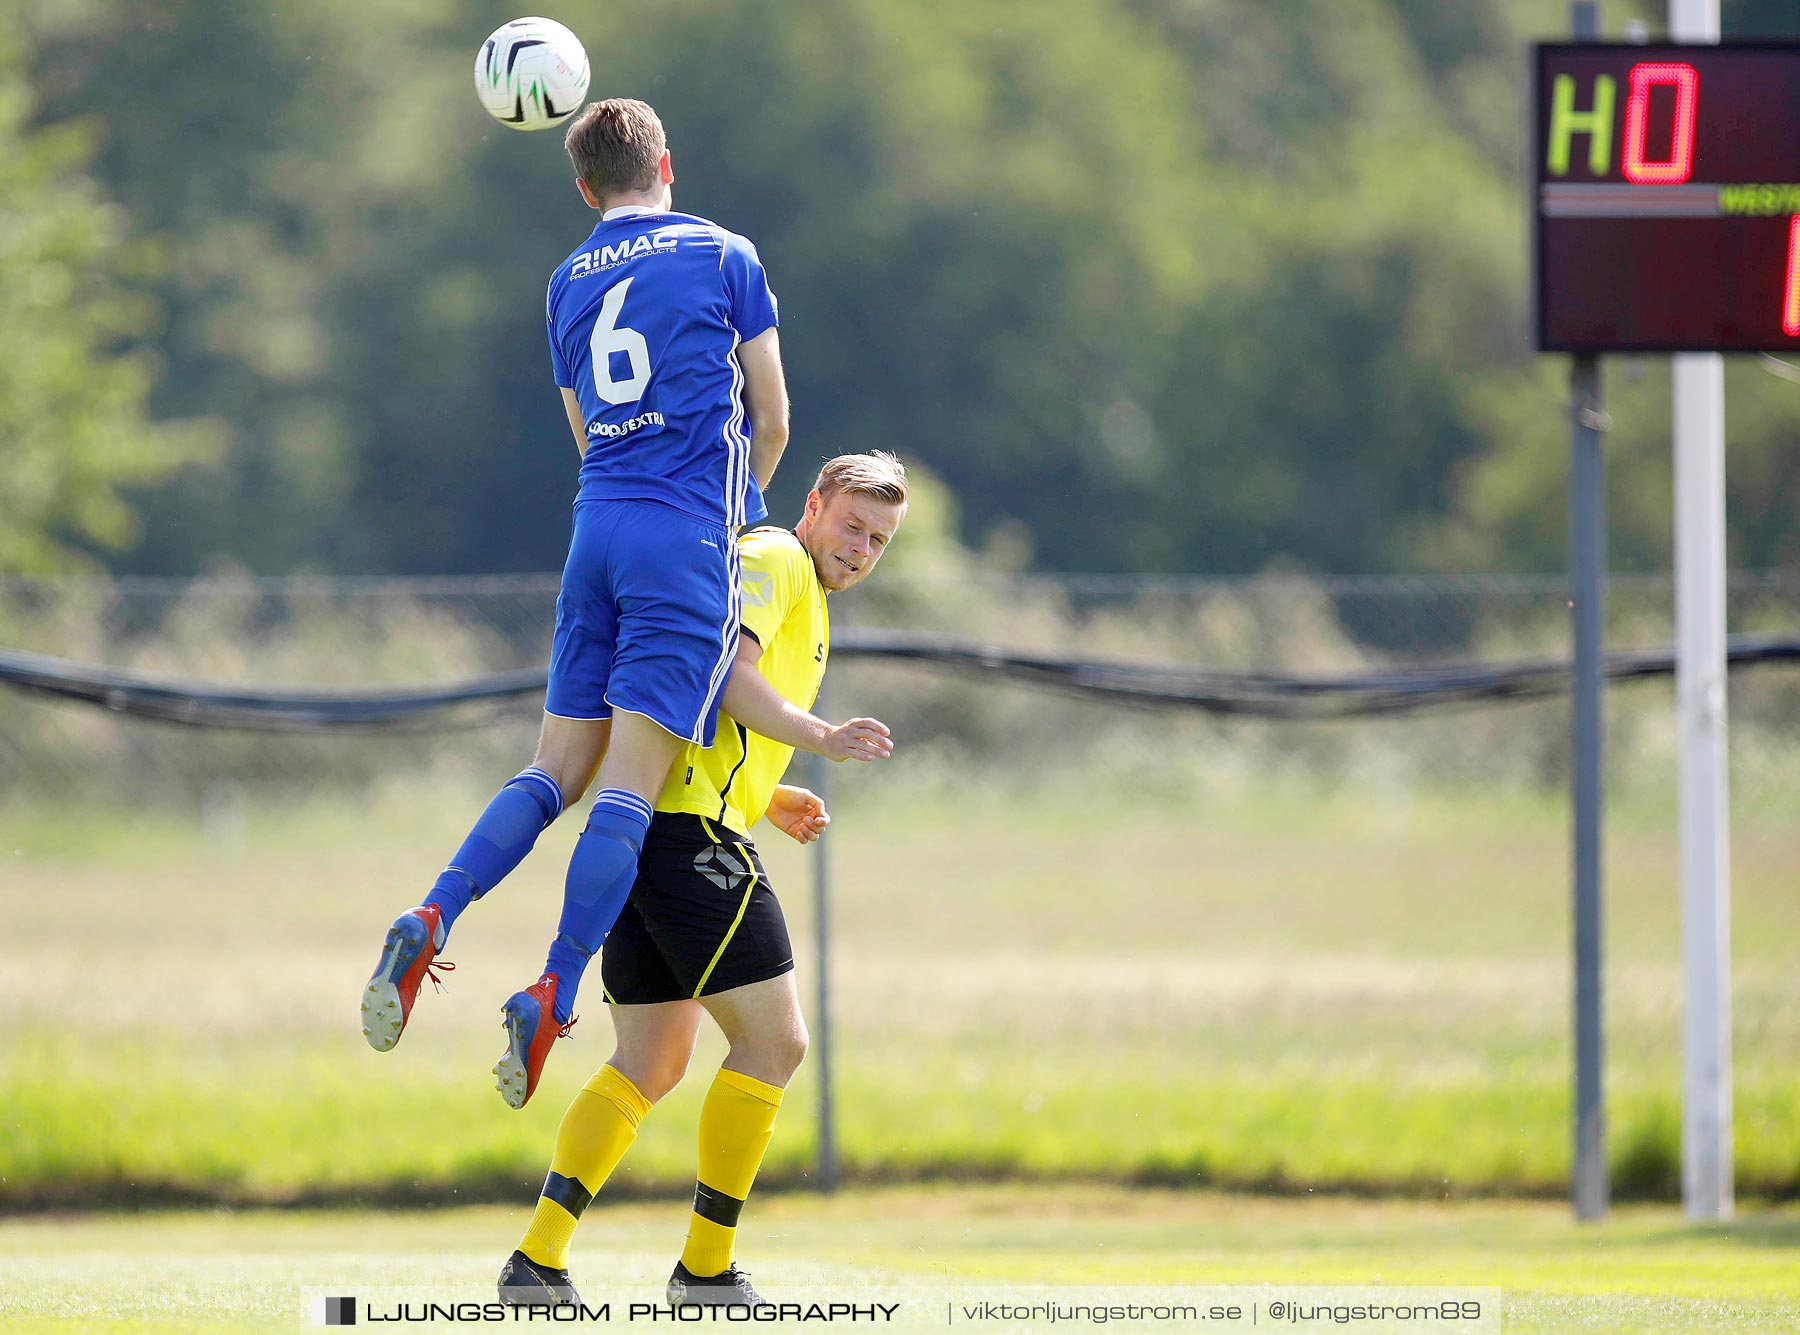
(1566, 122)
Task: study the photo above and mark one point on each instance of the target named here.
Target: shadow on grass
(1646, 1160)
(1646, 1170)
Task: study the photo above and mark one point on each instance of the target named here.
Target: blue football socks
(503, 835)
(600, 877)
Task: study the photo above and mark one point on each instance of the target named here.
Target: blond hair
(616, 145)
(877, 475)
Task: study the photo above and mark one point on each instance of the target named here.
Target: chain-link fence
(322, 633)
(955, 733)
(1141, 942)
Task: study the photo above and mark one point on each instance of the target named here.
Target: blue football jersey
(643, 322)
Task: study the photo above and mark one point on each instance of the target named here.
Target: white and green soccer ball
(531, 74)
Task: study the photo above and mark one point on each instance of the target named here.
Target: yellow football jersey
(784, 608)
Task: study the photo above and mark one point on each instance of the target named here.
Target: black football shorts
(701, 918)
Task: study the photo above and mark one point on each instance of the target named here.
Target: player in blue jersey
(663, 344)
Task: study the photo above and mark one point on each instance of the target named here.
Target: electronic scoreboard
(1666, 197)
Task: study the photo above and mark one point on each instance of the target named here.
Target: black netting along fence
(1035, 675)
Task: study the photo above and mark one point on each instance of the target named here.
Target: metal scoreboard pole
(1699, 428)
(1589, 1186)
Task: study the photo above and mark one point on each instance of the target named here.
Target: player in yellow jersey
(702, 933)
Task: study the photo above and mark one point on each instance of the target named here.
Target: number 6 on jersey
(609, 337)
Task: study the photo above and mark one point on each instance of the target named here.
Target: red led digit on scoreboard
(1790, 306)
(1680, 164)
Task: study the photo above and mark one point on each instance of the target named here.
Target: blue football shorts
(647, 619)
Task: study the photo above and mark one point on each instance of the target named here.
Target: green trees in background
(74, 429)
(1151, 284)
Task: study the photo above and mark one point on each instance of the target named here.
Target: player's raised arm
(765, 401)
(760, 707)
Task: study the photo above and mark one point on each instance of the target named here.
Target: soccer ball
(531, 74)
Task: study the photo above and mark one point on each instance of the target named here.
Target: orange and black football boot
(529, 1018)
(408, 958)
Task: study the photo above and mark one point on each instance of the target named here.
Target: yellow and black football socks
(598, 1128)
(735, 1124)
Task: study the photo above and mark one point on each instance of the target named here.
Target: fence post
(1700, 683)
(825, 1170)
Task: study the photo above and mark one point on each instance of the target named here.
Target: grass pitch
(1350, 991)
(1644, 1271)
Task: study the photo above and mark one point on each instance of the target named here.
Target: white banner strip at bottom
(1239, 1308)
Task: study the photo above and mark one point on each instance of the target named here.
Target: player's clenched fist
(798, 813)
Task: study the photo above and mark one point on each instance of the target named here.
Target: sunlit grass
(1331, 991)
(1643, 1270)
